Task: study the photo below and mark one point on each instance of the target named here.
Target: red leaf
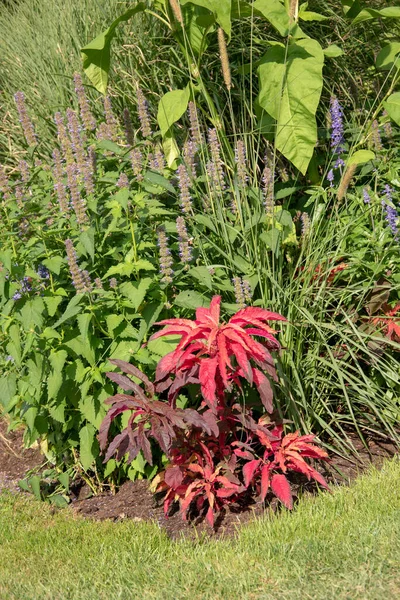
(171, 330)
(318, 477)
(265, 481)
(242, 360)
(166, 365)
(264, 389)
(210, 516)
(223, 359)
(173, 477)
(252, 312)
(249, 469)
(281, 488)
(207, 373)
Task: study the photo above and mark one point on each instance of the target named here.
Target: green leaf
(164, 345)
(203, 275)
(52, 303)
(135, 292)
(113, 321)
(360, 157)
(63, 478)
(171, 107)
(308, 15)
(171, 150)
(275, 13)
(190, 299)
(8, 389)
(96, 54)
(220, 8)
(271, 238)
(392, 106)
(55, 379)
(72, 309)
(370, 13)
(333, 51)
(389, 57)
(88, 450)
(6, 259)
(32, 313)
(83, 324)
(298, 74)
(159, 180)
(87, 240)
(54, 264)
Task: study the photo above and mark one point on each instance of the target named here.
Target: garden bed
(134, 501)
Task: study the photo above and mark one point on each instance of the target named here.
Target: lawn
(340, 545)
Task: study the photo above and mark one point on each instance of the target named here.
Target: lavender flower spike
(111, 121)
(337, 135)
(26, 123)
(184, 185)
(185, 251)
(88, 120)
(240, 159)
(165, 257)
(143, 113)
(76, 273)
(78, 203)
(58, 182)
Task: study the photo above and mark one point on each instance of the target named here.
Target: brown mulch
(15, 461)
(134, 500)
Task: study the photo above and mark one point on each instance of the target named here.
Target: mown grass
(340, 545)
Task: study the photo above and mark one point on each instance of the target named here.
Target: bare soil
(134, 500)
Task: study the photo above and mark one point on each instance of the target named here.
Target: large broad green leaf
(55, 379)
(290, 89)
(220, 8)
(72, 309)
(190, 299)
(136, 292)
(392, 106)
(171, 107)
(32, 313)
(360, 157)
(275, 12)
(88, 450)
(96, 54)
(370, 13)
(389, 57)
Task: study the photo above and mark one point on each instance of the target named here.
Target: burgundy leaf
(132, 370)
(264, 389)
(144, 445)
(126, 384)
(173, 477)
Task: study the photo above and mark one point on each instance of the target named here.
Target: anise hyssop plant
(221, 449)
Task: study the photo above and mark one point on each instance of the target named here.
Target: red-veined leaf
(265, 481)
(242, 360)
(253, 312)
(166, 365)
(207, 373)
(210, 516)
(223, 359)
(281, 488)
(249, 469)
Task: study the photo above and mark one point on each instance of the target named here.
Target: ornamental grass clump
(220, 450)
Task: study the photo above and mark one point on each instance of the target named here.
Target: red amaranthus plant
(217, 355)
(219, 451)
